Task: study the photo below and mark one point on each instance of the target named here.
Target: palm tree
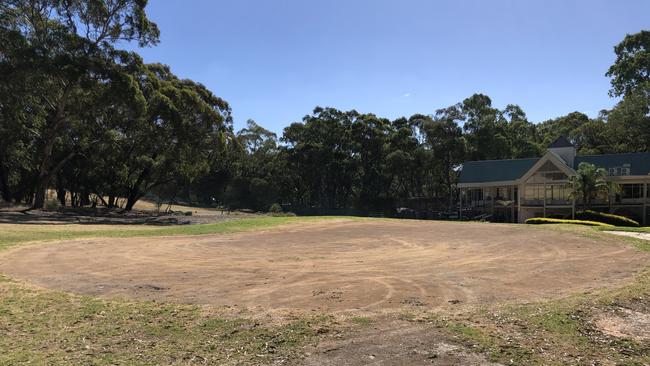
(589, 182)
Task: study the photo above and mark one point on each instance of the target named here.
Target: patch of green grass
(12, 234)
(361, 320)
(46, 327)
(599, 233)
(495, 348)
(643, 229)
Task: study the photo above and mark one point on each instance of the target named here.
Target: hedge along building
(517, 189)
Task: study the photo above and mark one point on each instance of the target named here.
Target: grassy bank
(13, 234)
(47, 327)
(644, 229)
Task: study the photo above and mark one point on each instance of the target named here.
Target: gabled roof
(495, 170)
(639, 163)
(555, 160)
(487, 171)
(560, 142)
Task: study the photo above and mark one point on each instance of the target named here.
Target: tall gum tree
(65, 45)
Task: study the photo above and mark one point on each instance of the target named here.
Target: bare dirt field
(333, 266)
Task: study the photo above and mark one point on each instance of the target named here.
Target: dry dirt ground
(340, 267)
(332, 266)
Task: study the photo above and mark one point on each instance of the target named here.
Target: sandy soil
(333, 266)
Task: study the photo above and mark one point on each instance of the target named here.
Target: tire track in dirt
(334, 266)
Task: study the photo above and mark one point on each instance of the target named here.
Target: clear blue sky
(275, 60)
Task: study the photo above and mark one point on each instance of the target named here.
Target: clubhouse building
(517, 189)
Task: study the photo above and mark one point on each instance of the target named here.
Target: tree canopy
(96, 124)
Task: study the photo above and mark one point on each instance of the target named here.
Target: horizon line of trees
(82, 117)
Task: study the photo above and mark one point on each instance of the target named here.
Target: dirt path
(333, 266)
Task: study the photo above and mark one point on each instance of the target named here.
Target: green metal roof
(507, 170)
(639, 162)
(495, 170)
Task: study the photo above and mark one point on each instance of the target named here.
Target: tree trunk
(39, 196)
(49, 138)
(45, 175)
(60, 194)
(4, 184)
(84, 198)
(134, 196)
(99, 196)
(60, 190)
(134, 192)
(111, 200)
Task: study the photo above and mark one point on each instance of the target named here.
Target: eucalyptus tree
(522, 135)
(369, 135)
(628, 123)
(402, 166)
(253, 170)
(320, 150)
(65, 46)
(174, 140)
(629, 120)
(444, 137)
(484, 128)
(630, 72)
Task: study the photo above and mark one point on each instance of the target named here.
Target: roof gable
(549, 157)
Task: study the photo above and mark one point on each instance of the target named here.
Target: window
(502, 193)
(476, 194)
(534, 192)
(632, 191)
(619, 170)
(557, 193)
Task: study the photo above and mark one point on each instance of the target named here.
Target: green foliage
(52, 204)
(120, 129)
(631, 70)
(275, 208)
(543, 220)
(611, 219)
(591, 182)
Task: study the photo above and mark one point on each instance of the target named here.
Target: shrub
(52, 204)
(615, 220)
(275, 208)
(546, 220)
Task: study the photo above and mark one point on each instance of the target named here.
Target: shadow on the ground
(102, 216)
